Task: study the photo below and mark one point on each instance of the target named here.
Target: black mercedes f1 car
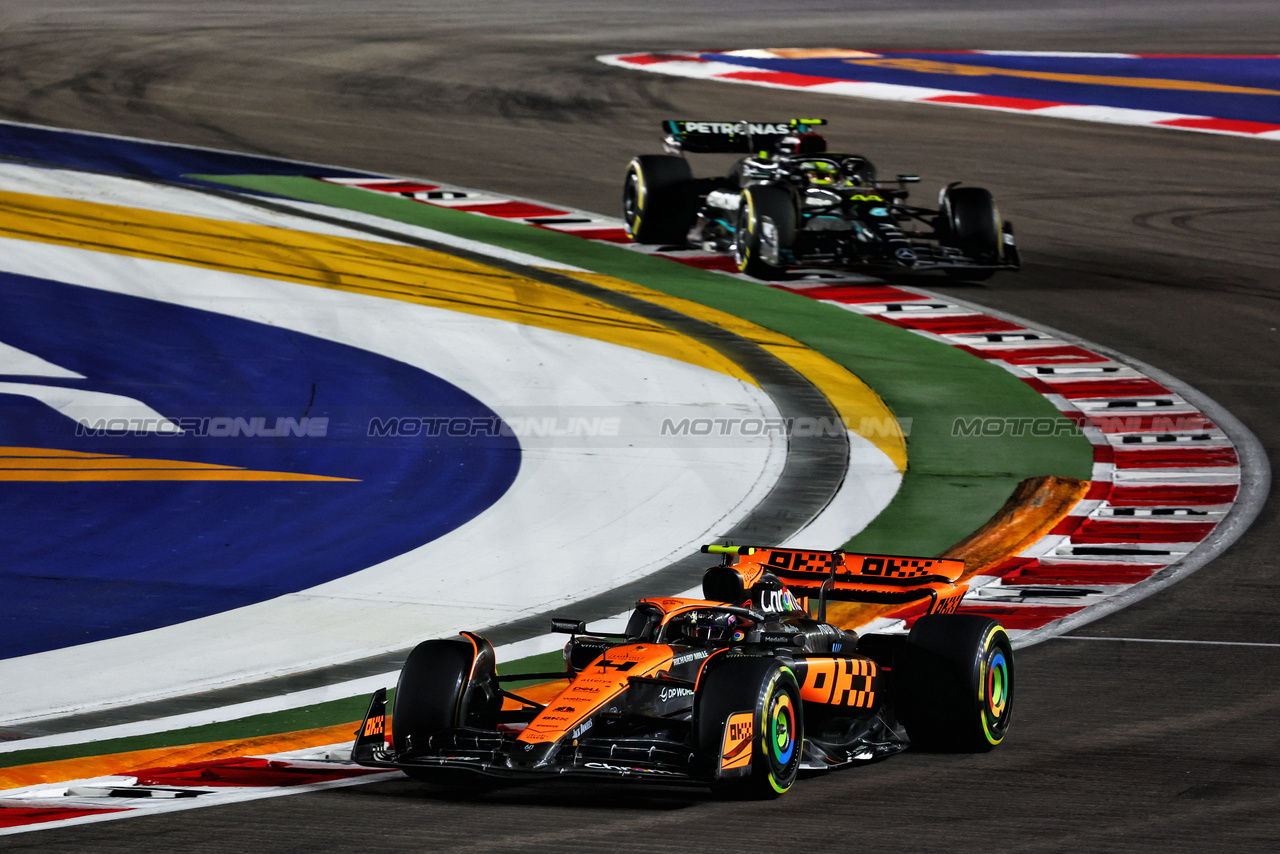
(740, 690)
(791, 204)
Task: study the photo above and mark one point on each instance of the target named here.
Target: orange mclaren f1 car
(740, 690)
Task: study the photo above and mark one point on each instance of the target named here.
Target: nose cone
(520, 754)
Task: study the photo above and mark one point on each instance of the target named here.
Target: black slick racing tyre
(766, 228)
(659, 199)
(953, 684)
(971, 223)
(749, 727)
(437, 691)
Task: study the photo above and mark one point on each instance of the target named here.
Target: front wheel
(953, 683)
(766, 230)
(971, 223)
(749, 727)
(444, 684)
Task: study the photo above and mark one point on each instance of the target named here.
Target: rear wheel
(749, 727)
(659, 199)
(971, 223)
(953, 683)
(766, 228)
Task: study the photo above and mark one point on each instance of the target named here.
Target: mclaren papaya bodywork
(739, 690)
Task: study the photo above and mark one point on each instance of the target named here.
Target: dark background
(1160, 244)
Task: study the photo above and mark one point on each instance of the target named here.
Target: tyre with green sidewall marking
(768, 689)
(953, 683)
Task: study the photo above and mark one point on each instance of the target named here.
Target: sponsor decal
(840, 682)
(564, 709)
(621, 666)
(690, 657)
(778, 601)
(866, 197)
(580, 729)
(896, 567)
(800, 561)
(376, 725)
(948, 604)
(738, 732)
(731, 128)
(666, 694)
(905, 255)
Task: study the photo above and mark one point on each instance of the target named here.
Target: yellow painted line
(404, 273)
(929, 66)
(863, 411)
(23, 464)
(127, 763)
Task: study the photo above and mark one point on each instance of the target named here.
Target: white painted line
(725, 73)
(1171, 640)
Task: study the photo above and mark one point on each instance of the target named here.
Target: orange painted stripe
(107, 464)
(53, 465)
(150, 474)
(51, 452)
(126, 763)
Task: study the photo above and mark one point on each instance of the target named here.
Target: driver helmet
(856, 172)
(714, 627)
(820, 173)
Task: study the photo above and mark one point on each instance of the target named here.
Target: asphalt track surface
(1161, 244)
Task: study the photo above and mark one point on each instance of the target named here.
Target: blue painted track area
(1240, 88)
(136, 158)
(89, 560)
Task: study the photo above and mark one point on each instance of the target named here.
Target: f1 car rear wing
(731, 137)
(885, 579)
